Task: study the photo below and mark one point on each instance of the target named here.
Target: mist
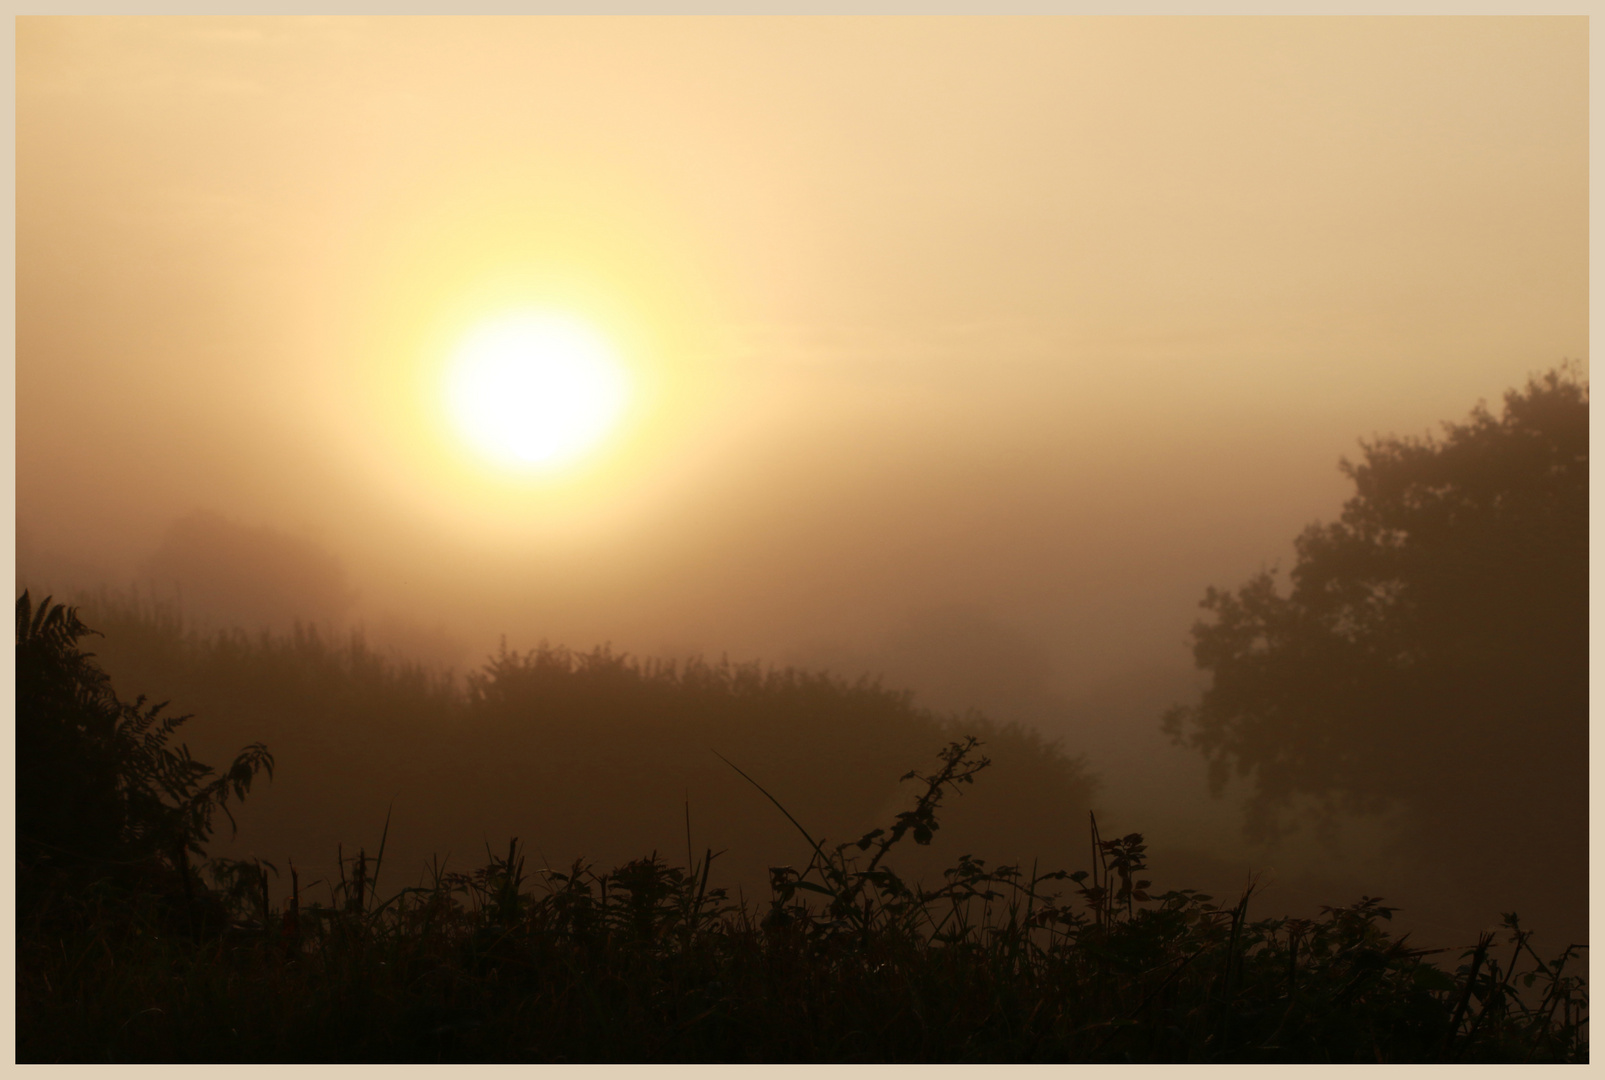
(969, 354)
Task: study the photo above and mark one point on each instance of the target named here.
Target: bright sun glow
(534, 390)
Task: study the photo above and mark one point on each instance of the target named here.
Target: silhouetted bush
(97, 781)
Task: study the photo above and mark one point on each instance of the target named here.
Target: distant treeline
(591, 754)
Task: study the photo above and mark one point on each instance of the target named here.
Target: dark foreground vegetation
(129, 950)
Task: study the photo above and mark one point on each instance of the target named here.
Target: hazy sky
(1033, 327)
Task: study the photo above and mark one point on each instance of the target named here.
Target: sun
(534, 390)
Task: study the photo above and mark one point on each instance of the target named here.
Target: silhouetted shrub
(99, 786)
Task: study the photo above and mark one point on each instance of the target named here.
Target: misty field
(128, 951)
(802, 539)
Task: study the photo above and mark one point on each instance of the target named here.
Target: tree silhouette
(1431, 655)
(234, 574)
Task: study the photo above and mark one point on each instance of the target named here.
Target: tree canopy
(1431, 654)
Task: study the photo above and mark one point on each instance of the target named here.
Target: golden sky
(1052, 321)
